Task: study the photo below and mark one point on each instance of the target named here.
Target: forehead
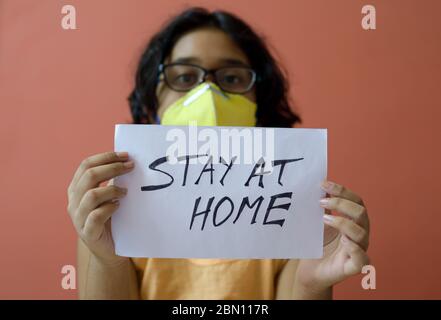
(208, 47)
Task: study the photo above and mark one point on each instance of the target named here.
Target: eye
(185, 78)
(232, 79)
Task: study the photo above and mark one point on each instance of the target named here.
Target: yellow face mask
(209, 106)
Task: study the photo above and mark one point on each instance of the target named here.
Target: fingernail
(115, 202)
(327, 185)
(122, 155)
(344, 239)
(324, 202)
(129, 164)
(328, 218)
(124, 190)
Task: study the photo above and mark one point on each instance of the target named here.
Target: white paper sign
(250, 193)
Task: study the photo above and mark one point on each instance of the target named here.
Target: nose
(210, 77)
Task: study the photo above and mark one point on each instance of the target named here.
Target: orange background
(378, 93)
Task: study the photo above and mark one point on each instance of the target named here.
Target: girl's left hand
(346, 239)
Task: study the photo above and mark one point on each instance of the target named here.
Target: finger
(357, 257)
(94, 176)
(349, 228)
(95, 222)
(340, 191)
(329, 235)
(349, 208)
(94, 198)
(94, 161)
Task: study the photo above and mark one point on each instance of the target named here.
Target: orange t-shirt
(207, 278)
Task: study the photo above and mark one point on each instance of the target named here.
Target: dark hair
(273, 109)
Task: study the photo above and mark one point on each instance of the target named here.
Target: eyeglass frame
(162, 66)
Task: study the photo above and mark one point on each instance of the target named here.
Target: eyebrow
(186, 60)
(225, 62)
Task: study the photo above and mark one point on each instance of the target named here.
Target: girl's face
(209, 48)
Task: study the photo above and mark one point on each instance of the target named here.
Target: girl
(217, 48)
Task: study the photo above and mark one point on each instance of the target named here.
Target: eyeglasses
(185, 76)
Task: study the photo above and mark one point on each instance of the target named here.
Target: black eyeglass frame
(162, 67)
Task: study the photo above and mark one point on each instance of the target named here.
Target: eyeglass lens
(231, 79)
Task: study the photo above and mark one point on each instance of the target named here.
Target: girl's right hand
(91, 205)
